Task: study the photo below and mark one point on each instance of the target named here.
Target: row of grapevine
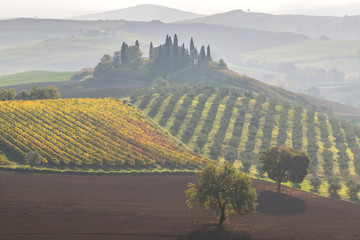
(256, 124)
(80, 133)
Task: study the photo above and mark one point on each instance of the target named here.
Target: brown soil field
(62, 206)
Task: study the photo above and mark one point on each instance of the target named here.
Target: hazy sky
(69, 8)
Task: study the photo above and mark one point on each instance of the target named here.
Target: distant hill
(83, 134)
(75, 44)
(341, 28)
(338, 10)
(144, 12)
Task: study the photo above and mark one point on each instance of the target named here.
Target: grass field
(34, 77)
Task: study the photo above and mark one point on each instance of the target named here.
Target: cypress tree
(137, 44)
(183, 56)
(151, 50)
(116, 59)
(192, 46)
(175, 41)
(202, 54)
(175, 54)
(208, 55)
(123, 51)
(192, 52)
(196, 55)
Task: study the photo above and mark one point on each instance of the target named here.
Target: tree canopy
(223, 189)
(283, 164)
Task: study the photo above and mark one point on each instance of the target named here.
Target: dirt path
(54, 206)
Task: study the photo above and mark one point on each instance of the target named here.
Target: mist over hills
(340, 28)
(143, 12)
(254, 44)
(75, 44)
(339, 10)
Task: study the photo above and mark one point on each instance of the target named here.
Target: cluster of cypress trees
(166, 59)
(171, 57)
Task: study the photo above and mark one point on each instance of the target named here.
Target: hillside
(143, 12)
(86, 135)
(223, 124)
(212, 74)
(34, 77)
(26, 43)
(339, 28)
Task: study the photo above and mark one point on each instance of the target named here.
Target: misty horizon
(48, 9)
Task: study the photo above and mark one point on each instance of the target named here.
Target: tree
(208, 54)
(231, 154)
(123, 51)
(137, 44)
(161, 82)
(283, 164)
(33, 157)
(353, 189)
(202, 54)
(315, 181)
(223, 189)
(151, 54)
(334, 187)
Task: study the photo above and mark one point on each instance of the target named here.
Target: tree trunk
(222, 216)
(278, 186)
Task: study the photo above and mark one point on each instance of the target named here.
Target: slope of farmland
(224, 124)
(86, 134)
(152, 207)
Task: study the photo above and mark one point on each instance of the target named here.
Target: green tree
(315, 182)
(353, 189)
(33, 157)
(11, 94)
(137, 44)
(23, 95)
(334, 187)
(223, 189)
(231, 154)
(161, 82)
(51, 92)
(283, 164)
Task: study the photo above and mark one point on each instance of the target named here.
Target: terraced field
(224, 124)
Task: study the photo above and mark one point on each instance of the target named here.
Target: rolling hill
(339, 28)
(74, 44)
(32, 77)
(211, 74)
(143, 12)
(86, 135)
(224, 124)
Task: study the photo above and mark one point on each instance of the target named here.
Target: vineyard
(86, 133)
(226, 124)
